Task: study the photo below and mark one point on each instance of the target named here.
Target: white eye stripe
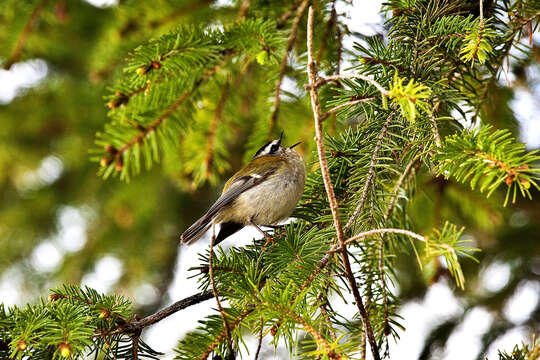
(256, 176)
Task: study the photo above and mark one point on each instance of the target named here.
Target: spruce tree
(199, 97)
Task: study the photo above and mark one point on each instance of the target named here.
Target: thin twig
(284, 61)
(338, 77)
(215, 292)
(370, 175)
(168, 311)
(312, 74)
(25, 33)
(339, 107)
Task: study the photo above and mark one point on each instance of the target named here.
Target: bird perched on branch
(263, 193)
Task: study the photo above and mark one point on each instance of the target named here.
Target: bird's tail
(197, 230)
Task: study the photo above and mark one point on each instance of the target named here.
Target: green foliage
(410, 98)
(196, 91)
(488, 159)
(74, 323)
(150, 108)
(476, 43)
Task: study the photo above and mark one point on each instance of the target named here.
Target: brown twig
(284, 61)
(215, 292)
(347, 104)
(168, 311)
(210, 139)
(370, 175)
(16, 52)
(312, 74)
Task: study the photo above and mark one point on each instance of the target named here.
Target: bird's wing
(231, 192)
(237, 187)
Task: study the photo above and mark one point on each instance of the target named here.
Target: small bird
(264, 192)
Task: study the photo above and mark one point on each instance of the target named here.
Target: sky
(420, 317)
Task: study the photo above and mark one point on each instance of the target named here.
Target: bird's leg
(268, 238)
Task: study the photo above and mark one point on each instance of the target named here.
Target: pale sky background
(420, 317)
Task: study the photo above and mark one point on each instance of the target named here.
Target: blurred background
(60, 223)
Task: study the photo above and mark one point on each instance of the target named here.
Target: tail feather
(197, 230)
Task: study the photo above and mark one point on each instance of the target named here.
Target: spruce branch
(312, 74)
(371, 174)
(30, 24)
(283, 68)
(488, 159)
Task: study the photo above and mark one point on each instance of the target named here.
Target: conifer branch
(31, 22)
(312, 74)
(283, 68)
(344, 105)
(371, 174)
(117, 155)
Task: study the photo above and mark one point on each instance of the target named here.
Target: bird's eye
(274, 148)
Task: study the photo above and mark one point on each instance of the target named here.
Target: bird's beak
(298, 143)
(280, 137)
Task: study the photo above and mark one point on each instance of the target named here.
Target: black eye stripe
(262, 149)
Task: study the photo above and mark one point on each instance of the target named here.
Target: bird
(262, 193)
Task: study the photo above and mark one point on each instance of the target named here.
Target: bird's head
(274, 148)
